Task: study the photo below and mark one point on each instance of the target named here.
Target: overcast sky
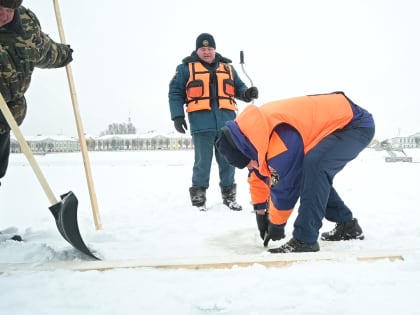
(125, 54)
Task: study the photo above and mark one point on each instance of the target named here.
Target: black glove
(262, 223)
(250, 94)
(275, 232)
(70, 55)
(180, 124)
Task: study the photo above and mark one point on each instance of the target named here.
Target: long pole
(26, 150)
(80, 131)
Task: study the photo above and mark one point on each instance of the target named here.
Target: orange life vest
(314, 117)
(198, 87)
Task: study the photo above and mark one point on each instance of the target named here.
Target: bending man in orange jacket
(294, 148)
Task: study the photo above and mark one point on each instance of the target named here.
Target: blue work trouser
(318, 198)
(203, 155)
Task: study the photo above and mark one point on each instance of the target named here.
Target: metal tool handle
(242, 66)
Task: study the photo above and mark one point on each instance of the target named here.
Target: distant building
(152, 140)
(46, 144)
(412, 141)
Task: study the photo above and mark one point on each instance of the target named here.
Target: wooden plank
(213, 262)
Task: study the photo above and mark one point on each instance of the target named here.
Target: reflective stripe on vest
(198, 87)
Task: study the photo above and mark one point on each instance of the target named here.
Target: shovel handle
(79, 124)
(26, 150)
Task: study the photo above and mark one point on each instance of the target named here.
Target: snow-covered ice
(145, 212)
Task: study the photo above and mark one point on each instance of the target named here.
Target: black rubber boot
(198, 197)
(13, 237)
(344, 231)
(296, 246)
(229, 198)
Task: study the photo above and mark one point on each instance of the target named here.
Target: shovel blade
(65, 215)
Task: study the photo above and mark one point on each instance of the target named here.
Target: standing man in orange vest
(207, 84)
(295, 147)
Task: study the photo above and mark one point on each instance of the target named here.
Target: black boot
(344, 231)
(13, 237)
(16, 238)
(295, 246)
(229, 197)
(198, 197)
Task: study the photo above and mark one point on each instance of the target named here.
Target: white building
(152, 140)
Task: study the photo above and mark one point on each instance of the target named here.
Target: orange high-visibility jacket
(313, 116)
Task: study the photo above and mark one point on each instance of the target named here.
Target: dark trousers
(4, 152)
(204, 146)
(318, 197)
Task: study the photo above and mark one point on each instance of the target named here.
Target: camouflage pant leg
(18, 109)
(4, 152)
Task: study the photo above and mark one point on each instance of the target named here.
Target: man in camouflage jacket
(23, 46)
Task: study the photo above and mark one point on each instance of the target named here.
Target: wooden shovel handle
(79, 124)
(26, 150)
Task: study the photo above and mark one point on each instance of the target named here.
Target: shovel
(64, 211)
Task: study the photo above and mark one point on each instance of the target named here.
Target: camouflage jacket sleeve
(23, 46)
(37, 47)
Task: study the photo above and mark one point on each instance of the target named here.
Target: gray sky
(125, 54)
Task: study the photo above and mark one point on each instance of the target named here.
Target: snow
(145, 212)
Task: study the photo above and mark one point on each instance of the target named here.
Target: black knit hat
(227, 147)
(205, 40)
(11, 4)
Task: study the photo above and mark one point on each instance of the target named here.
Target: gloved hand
(70, 55)
(262, 222)
(275, 232)
(180, 124)
(250, 94)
